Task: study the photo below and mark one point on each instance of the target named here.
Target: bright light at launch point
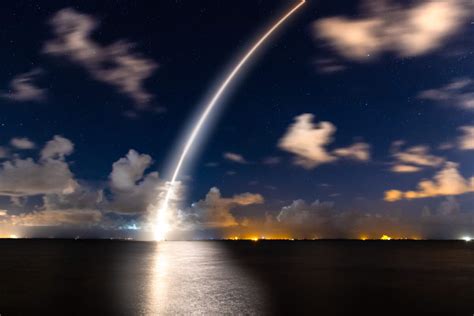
(162, 226)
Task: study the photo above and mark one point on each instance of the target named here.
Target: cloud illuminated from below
(446, 182)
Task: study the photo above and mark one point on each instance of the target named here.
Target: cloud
(353, 39)
(323, 219)
(129, 190)
(83, 207)
(70, 202)
(299, 212)
(386, 27)
(357, 151)
(57, 218)
(449, 207)
(132, 190)
(459, 92)
(413, 159)
(447, 181)
(22, 143)
(235, 158)
(329, 65)
(113, 64)
(466, 141)
(3, 152)
(128, 170)
(23, 88)
(308, 141)
(446, 146)
(399, 168)
(271, 161)
(26, 177)
(215, 211)
(57, 148)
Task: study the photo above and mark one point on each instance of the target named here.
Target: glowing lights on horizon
(162, 226)
(255, 238)
(466, 238)
(387, 237)
(11, 236)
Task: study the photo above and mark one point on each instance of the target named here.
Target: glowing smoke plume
(161, 226)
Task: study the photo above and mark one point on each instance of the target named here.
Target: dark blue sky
(376, 99)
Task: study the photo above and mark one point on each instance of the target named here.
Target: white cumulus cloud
(133, 190)
(49, 175)
(215, 211)
(57, 148)
(309, 141)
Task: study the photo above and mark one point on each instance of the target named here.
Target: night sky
(355, 119)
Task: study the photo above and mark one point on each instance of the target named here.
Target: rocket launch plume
(161, 225)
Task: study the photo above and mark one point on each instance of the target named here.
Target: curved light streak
(161, 226)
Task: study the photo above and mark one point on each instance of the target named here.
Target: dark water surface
(67, 277)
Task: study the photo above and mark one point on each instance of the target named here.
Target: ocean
(109, 277)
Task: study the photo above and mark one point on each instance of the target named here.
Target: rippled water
(124, 278)
(198, 277)
(63, 277)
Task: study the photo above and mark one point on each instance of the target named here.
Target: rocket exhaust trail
(161, 226)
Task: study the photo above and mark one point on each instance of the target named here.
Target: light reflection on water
(101, 277)
(198, 278)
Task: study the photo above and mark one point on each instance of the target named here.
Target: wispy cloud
(388, 27)
(459, 92)
(357, 151)
(22, 143)
(329, 65)
(271, 161)
(58, 218)
(234, 157)
(466, 140)
(447, 181)
(413, 159)
(23, 88)
(3, 152)
(113, 64)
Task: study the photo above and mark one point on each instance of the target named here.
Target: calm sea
(67, 277)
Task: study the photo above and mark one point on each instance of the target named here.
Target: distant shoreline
(232, 240)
